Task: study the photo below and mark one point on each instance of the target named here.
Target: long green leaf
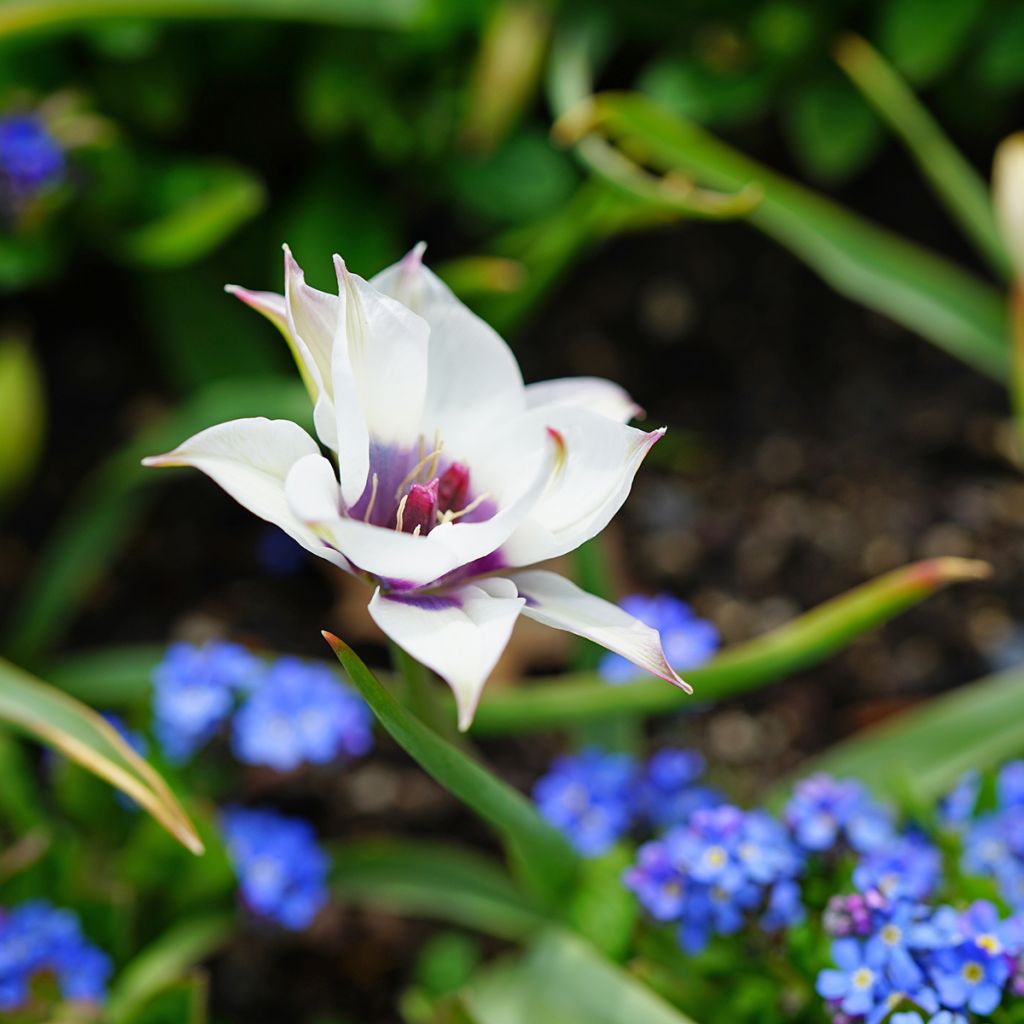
(78, 732)
(433, 880)
(922, 752)
(164, 962)
(540, 853)
(99, 519)
(25, 17)
(563, 980)
(802, 642)
(863, 261)
(951, 176)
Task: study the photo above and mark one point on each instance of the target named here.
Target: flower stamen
(400, 514)
(413, 473)
(373, 497)
(449, 516)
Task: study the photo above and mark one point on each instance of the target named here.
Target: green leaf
(950, 174)
(433, 880)
(163, 963)
(22, 414)
(76, 731)
(99, 519)
(206, 204)
(24, 17)
(602, 909)
(922, 37)
(831, 128)
(909, 284)
(806, 640)
(107, 677)
(922, 752)
(562, 980)
(540, 853)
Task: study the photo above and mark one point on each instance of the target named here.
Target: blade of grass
(804, 641)
(75, 730)
(433, 880)
(541, 854)
(909, 284)
(952, 178)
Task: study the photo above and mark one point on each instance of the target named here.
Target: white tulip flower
(448, 477)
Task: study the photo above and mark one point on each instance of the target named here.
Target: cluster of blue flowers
(282, 872)
(595, 798)
(31, 159)
(39, 942)
(283, 714)
(919, 963)
(687, 640)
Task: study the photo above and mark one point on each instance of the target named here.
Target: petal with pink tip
(555, 601)
(250, 459)
(601, 458)
(459, 633)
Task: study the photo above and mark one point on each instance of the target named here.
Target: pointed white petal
(270, 304)
(473, 377)
(459, 633)
(554, 601)
(594, 393)
(601, 458)
(250, 459)
(312, 318)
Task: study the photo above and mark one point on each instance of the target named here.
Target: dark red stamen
(420, 507)
(454, 487)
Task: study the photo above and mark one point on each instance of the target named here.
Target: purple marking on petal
(428, 602)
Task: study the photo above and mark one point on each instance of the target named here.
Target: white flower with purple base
(448, 475)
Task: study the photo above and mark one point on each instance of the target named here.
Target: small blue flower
(30, 157)
(194, 693)
(907, 868)
(957, 807)
(823, 811)
(1010, 785)
(968, 978)
(785, 906)
(301, 713)
(590, 798)
(688, 641)
(282, 872)
(658, 882)
(890, 948)
(857, 983)
(667, 793)
(38, 938)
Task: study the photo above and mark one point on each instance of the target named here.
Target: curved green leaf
(78, 732)
(861, 260)
(563, 980)
(808, 639)
(100, 517)
(922, 752)
(433, 880)
(539, 852)
(164, 962)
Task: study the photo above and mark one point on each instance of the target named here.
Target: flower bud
(1008, 197)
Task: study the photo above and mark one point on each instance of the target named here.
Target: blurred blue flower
(993, 847)
(688, 641)
(908, 867)
(282, 871)
(856, 984)
(30, 157)
(1010, 785)
(969, 978)
(38, 938)
(590, 797)
(823, 811)
(957, 807)
(301, 713)
(785, 906)
(667, 794)
(657, 881)
(278, 554)
(194, 693)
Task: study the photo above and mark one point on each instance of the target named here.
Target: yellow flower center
(973, 972)
(891, 935)
(863, 978)
(989, 943)
(715, 856)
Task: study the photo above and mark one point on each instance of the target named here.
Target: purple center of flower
(412, 491)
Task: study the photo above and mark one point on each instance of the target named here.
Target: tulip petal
(270, 304)
(312, 319)
(594, 393)
(459, 633)
(555, 601)
(601, 459)
(250, 459)
(473, 377)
